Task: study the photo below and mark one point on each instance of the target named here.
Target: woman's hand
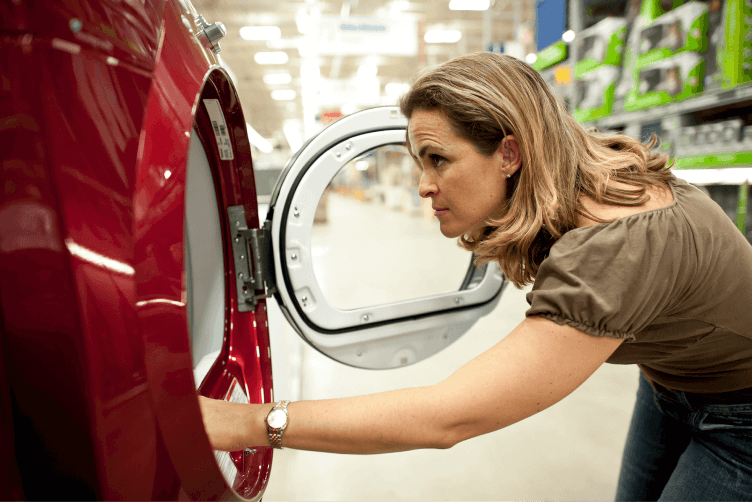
(234, 426)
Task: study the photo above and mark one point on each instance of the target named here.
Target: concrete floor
(571, 451)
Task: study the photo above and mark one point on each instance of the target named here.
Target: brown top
(675, 283)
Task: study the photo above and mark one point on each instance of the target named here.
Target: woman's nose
(427, 187)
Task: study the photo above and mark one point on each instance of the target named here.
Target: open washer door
(360, 269)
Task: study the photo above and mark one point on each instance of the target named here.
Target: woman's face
(465, 187)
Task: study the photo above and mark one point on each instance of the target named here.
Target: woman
(629, 265)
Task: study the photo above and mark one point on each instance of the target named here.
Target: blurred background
(680, 70)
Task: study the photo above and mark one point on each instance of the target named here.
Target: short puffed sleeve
(612, 279)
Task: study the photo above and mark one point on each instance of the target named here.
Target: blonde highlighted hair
(485, 96)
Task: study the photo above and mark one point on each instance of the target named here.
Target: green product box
(651, 9)
(595, 94)
(673, 79)
(554, 53)
(601, 44)
(737, 43)
(730, 159)
(682, 29)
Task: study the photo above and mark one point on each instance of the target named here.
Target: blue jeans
(686, 446)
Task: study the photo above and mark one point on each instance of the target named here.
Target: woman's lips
(439, 211)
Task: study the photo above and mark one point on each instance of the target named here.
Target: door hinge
(252, 255)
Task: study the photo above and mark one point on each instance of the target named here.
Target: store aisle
(570, 451)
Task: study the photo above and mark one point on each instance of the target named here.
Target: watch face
(277, 419)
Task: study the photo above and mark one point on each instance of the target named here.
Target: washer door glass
(362, 271)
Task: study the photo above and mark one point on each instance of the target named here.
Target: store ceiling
(337, 72)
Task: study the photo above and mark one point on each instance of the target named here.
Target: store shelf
(707, 100)
(716, 176)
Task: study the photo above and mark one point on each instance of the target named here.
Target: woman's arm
(535, 366)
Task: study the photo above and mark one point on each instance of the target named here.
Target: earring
(509, 175)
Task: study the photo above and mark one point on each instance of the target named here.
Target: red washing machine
(134, 267)
(104, 106)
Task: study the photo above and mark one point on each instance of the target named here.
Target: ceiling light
(277, 78)
(361, 165)
(469, 4)
(531, 58)
(260, 32)
(271, 57)
(395, 89)
(368, 70)
(283, 94)
(400, 5)
(442, 36)
(307, 20)
(568, 36)
(257, 140)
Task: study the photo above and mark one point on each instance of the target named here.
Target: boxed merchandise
(715, 54)
(554, 53)
(736, 60)
(707, 137)
(747, 138)
(687, 141)
(717, 137)
(595, 94)
(729, 134)
(601, 44)
(672, 79)
(683, 29)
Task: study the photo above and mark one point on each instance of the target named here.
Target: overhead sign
(365, 35)
(359, 91)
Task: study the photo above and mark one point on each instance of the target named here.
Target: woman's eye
(437, 159)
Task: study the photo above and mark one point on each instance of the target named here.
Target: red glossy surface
(97, 383)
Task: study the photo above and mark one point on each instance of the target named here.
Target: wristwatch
(276, 422)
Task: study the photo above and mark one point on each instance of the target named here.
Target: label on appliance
(234, 394)
(220, 128)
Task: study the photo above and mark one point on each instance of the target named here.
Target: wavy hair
(485, 96)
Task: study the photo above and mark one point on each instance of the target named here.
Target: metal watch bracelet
(276, 423)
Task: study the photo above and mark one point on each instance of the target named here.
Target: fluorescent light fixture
(469, 4)
(283, 94)
(271, 57)
(442, 36)
(307, 20)
(258, 141)
(277, 78)
(291, 128)
(568, 36)
(395, 89)
(531, 58)
(368, 70)
(260, 32)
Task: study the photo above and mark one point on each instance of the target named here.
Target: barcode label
(220, 129)
(229, 471)
(234, 394)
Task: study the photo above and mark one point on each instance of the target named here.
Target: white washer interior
(204, 262)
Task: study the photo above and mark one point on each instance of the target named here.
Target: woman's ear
(510, 153)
